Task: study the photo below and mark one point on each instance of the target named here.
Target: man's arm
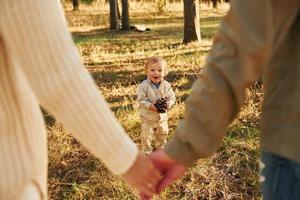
(248, 35)
(242, 47)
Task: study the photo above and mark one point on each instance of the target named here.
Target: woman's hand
(143, 176)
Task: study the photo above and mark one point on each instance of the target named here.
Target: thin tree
(125, 15)
(191, 21)
(113, 14)
(75, 4)
(118, 9)
(215, 3)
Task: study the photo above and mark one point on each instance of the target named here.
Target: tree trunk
(118, 9)
(215, 3)
(113, 14)
(75, 4)
(125, 15)
(191, 21)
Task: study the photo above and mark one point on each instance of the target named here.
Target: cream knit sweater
(39, 64)
(147, 94)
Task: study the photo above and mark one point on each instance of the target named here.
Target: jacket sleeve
(36, 36)
(248, 34)
(142, 98)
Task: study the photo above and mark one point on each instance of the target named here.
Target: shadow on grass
(124, 78)
(165, 32)
(128, 77)
(100, 19)
(137, 63)
(205, 20)
(122, 107)
(167, 26)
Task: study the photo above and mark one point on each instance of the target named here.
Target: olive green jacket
(255, 38)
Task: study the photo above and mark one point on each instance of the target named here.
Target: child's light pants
(154, 131)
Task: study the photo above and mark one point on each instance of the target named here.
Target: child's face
(155, 72)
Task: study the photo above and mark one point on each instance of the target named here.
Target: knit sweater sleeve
(142, 98)
(36, 35)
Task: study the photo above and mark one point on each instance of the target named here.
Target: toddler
(155, 97)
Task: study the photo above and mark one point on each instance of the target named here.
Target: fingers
(146, 173)
(146, 185)
(165, 182)
(171, 175)
(143, 176)
(156, 173)
(145, 197)
(151, 179)
(169, 168)
(161, 160)
(147, 191)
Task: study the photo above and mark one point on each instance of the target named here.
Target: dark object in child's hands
(161, 105)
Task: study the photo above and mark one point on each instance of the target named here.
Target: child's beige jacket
(147, 94)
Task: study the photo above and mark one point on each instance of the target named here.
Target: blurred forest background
(114, 39)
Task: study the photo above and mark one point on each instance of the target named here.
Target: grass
(116, 60)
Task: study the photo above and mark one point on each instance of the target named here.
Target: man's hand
(143, 176)
(169, 168)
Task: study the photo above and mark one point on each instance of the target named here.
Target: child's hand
(153, 108)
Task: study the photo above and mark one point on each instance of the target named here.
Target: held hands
(143, 176)
(169, 168)
(150, 175)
